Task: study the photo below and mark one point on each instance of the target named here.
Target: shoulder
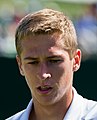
(86, 109)
(17, 116)
(90, 109)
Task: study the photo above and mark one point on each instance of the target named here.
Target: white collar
(27, 111)
(75, 109)
(80, 109)
(71, 113)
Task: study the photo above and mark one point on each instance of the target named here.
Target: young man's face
(47, 68)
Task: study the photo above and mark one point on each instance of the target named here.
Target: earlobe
(19, 65)
(77, 60)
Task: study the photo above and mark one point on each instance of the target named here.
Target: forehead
(42, 44)
(42, 40)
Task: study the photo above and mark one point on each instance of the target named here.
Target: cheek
(29, 75)
(63, 72)
(28, 70)
(58, 72)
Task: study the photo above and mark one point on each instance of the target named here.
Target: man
(47, 57)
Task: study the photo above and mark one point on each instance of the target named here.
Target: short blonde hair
(46, 21)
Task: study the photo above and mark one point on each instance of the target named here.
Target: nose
(46, 75)
(43, 73)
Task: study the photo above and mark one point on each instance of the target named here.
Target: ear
(18, 59)
(77, 60)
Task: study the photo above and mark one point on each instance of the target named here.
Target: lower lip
(44, 91)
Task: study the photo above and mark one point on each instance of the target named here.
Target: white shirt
(80, 109)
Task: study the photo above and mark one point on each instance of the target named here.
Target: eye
(33, 62)
(55, 61)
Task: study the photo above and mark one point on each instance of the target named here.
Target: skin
(48, 70)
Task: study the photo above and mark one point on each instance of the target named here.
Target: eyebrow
(35, 58)
(30, 58)
(54, 56)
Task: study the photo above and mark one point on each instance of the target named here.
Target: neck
(56, 111)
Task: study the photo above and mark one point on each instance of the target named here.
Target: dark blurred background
(14, 91)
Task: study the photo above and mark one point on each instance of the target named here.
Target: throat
(47, 113)
(56, 111)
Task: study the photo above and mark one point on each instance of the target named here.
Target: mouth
(44, 89)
